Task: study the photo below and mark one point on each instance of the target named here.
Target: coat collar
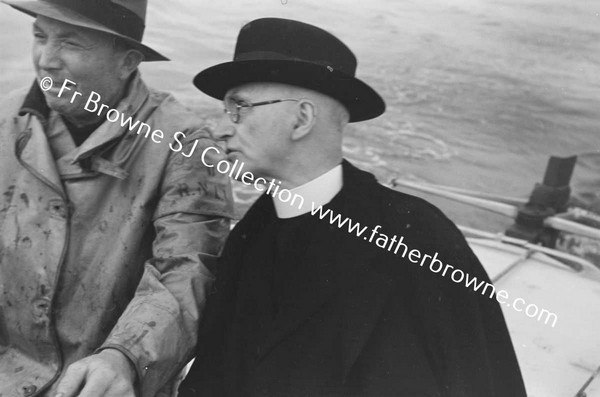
(326, 270)
(358, 188)
(31, 141)
(35, 104)
(136, 94)
(33, 151)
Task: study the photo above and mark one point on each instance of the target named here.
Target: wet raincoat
(105, 245)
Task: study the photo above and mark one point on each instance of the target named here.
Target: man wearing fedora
(108, 238)
(304, 307)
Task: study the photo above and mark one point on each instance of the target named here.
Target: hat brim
(361, 101)
(64, 14)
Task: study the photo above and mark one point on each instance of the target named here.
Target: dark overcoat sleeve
(206, 375)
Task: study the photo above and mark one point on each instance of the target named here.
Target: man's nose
(47, 56)
(225, 129)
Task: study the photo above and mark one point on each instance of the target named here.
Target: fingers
(96, 386)
(105, 382)
(72, 381)
(94, 377)
(100, 384)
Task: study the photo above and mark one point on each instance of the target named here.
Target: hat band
(109, 14)
(276, 56)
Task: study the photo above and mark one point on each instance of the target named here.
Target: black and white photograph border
(488, 101)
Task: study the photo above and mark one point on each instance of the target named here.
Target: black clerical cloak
(357, 319)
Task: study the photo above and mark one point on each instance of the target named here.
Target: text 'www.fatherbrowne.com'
(397, 245)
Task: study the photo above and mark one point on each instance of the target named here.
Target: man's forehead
(65, 29)
(246, 90)
(258, 88)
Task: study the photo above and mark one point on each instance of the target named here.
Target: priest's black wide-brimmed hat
(123, 18)
(291, 52)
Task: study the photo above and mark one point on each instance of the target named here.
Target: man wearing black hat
(108, 234)
(309, 301)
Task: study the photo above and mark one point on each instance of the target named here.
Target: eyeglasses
(233, 108)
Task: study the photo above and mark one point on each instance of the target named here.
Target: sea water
(479, 92)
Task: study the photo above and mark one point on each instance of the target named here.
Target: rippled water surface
(479, 92)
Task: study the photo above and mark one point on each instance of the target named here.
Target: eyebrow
(236, 97)
(62, 35)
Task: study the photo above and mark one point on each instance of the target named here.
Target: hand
(106, 374)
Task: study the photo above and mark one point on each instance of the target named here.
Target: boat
(553, 315)
(557, 358)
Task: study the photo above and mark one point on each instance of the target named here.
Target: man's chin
(63, 106)
(234, 155)
(240, 165)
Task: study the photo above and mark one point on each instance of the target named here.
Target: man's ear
(306, 117)
(129, 63)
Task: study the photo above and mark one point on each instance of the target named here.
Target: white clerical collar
(317, 192)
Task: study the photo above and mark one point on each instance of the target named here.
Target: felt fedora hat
(122, 18)
(291, 52)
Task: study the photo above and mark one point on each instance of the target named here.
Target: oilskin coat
(105, 245)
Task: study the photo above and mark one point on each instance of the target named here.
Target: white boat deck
(556, 361)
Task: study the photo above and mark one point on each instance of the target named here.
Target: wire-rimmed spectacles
(233, 108)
